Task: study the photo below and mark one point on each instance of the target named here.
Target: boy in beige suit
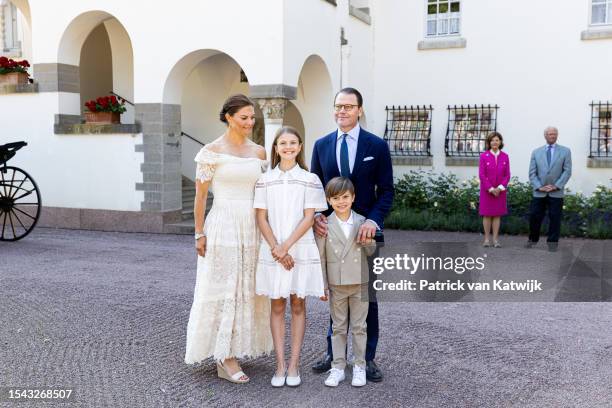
(345, 275)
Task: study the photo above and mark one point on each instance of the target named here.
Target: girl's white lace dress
(227, 318)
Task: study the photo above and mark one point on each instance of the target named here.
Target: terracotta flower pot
(14, 78)
(102, 117)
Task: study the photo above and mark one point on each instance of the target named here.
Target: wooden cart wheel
(20, 203)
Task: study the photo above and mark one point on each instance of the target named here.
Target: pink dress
(493, 172)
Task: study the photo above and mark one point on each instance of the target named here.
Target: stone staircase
(186, 224)
(188, 192)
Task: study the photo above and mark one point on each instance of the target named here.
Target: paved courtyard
(106, 314)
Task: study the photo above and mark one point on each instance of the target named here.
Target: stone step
(188, 192)
(185, 228)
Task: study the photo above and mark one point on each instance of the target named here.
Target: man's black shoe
(373, 373)
(323, 365)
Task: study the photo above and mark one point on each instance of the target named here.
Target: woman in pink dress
(494, 173)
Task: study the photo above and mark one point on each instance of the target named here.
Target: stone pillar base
(107, 220)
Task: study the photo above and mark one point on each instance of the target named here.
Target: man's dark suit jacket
(372, 173)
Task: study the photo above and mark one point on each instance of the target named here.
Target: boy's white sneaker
(335, 377)
(359, 376)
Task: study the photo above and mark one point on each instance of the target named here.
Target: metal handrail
(192, 138)
(121, 97)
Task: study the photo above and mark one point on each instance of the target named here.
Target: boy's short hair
(338, 186)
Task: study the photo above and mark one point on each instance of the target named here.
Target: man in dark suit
(351, 151)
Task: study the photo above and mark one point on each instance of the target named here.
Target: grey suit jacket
(342, 259)
(558, 173)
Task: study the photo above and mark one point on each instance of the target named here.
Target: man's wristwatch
(198, 236)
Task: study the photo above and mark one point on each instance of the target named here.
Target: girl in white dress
(289, 265)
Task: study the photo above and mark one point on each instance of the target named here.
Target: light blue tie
(549, 154)
(345, 169)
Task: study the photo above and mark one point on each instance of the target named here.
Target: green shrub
(441, 202)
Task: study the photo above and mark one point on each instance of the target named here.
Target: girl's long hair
(274, 154)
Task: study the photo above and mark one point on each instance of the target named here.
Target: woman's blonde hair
(275, 157)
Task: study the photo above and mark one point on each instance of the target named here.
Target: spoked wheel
(20, 203)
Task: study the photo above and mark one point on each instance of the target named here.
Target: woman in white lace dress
(228, 320)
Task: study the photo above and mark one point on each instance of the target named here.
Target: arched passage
(99, 48)
(16, 35)
(200, 82)
(293, 117)
(314, 101)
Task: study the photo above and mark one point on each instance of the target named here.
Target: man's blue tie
(548, 154)
(345, 169)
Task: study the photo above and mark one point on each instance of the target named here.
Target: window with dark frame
(468, 127)
(601, 129)
(408, 130)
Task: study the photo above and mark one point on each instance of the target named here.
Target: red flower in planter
(106, 104)
(8, 66)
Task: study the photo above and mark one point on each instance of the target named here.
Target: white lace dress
(286, 194)
(227, 318)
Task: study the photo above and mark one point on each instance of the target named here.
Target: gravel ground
(106, 314)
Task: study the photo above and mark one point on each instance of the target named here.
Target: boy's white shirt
(347, 225)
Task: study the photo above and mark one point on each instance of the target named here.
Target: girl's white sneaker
(278, 381)
(294, 381)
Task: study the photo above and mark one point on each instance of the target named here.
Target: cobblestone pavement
(106, 314)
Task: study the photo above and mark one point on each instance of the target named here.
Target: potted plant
(13, 72)
(105, 109)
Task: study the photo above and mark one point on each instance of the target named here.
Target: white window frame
(608, 4)
(11, 41)
(449, 16)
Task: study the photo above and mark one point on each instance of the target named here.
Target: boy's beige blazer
(342, 259)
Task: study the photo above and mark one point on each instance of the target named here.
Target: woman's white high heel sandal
(238, 378)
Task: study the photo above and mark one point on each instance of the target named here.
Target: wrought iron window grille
(601, 129)
(408, 130)
(468, 127)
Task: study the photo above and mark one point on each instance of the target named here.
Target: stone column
(161, 170)
(272, 100)
(273, 110)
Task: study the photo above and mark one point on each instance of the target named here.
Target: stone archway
(16, 29)
(293, 117)
(315, 98)
(199, 83)
(95, 57)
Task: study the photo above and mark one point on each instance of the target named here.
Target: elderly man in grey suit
(549, 170)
